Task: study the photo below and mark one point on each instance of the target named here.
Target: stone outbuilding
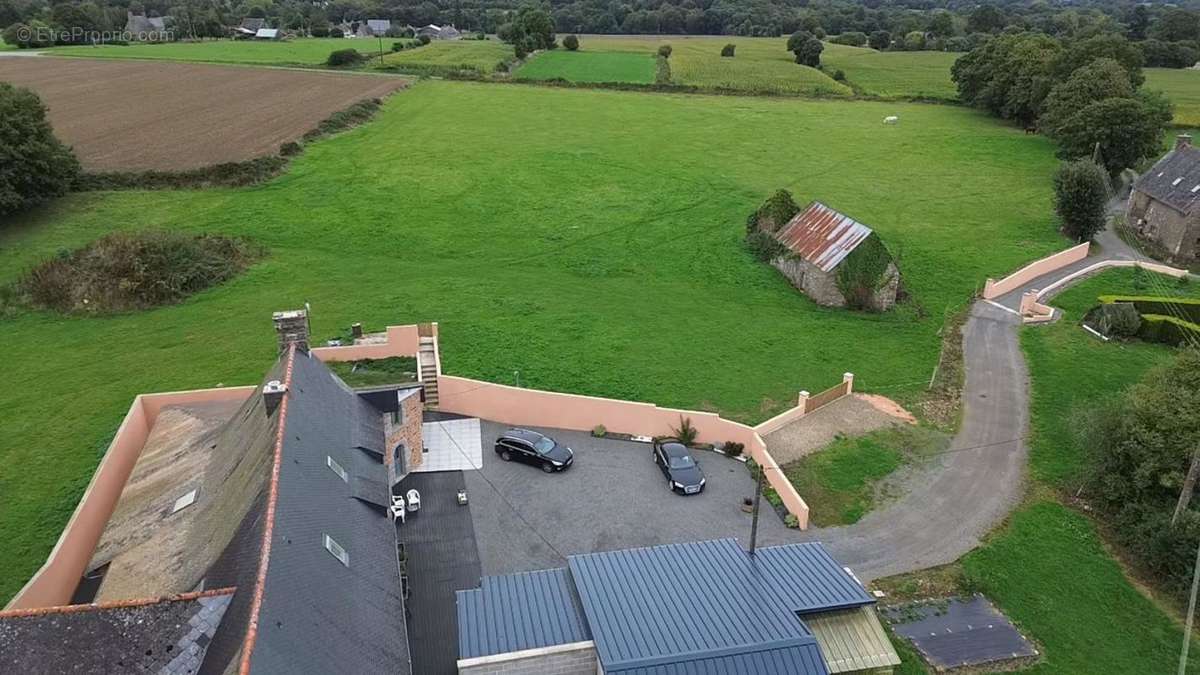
(836, 260)
(1164, 206)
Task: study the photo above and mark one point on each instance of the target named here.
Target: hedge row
(1186, 308)
(1168, 330)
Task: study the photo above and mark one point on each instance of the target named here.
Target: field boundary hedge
(1187, 308)
(231, 174)
(1173, 321)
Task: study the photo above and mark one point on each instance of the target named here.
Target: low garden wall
(55, 582)
(533, 407)
(401, 341)
(994, 289)
(806, 404)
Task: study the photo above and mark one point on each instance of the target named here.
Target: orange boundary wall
(533, 407)
(994, 289)
(55, 582)
(401, 341)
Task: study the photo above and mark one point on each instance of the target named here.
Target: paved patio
(613, 497)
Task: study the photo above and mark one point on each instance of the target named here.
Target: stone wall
(576, 659)
(1172, 231)
(404, 428)
(818, 285)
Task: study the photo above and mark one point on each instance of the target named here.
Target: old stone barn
(1164, 207)
(834, 259)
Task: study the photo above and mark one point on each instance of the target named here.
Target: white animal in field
(891, 119)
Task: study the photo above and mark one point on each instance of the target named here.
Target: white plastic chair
(398, 508)
(414, 500)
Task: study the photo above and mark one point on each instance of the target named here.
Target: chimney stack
(273, 393)
(1183, 141)
(291, 327)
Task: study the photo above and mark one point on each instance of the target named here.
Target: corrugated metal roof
(1175, 179)
(785, 660)
(809, 579)
(681, 602)
(520, 611)
(822, 236)
(852, 639)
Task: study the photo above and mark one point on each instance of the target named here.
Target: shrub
(319, 30)
(686, 433)
(34, 165)
(764, 246)
(571, 42)
(664, 51)
(424, 39)
(839, 75)
(791, 521)
(344, 57)
(335, 32)
(289, 149)
(728, 50)
(662, 70)
(1117, 319)
(733, 448)
(356, 114)
(1081, 198)
(852, 38)
(126, 271)
(599, 431)
(774, 213)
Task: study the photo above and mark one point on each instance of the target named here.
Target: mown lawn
(894, 74)
(1182, 86)
(760, 64)
(841, 479)
(439, 57)
(590, 240)
(300, 51)
(1071, 369)
(590, 66)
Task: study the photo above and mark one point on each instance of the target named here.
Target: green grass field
(894, 74)
(437, 57)
(590, 66)
(1182, 86)
(301, 51)
(760, 65)
(590, 240)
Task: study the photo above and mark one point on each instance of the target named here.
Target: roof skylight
(337, 550)
(337, 468)
(184, 501)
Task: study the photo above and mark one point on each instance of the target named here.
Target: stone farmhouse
(439, 32)
(142, 27)
(1164, 206)
(819, 241)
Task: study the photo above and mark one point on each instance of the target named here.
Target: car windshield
(543, 445)
(682, 462)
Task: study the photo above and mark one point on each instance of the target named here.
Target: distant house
(1164, 206)
(268, 34)
(142, 27)
(374, 28)
(249, 27)
(439, 32)
(786, 610)
(819, 243)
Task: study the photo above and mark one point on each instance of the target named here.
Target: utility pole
(380, 49)
(1189, 486)
(1187, 631)
(757, 498)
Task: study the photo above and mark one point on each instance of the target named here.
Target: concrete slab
(451, 445)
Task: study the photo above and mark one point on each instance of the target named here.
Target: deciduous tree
(34, 165)
(1081, 198)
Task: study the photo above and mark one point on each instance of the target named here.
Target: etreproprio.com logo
(45, 35)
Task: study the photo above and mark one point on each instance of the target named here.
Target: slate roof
(319, 615)
(649, 607)
(520, 611)
(163, 635)
(822, 236)
(253, 24)
(1175, 180)
(378, 26)
(140, 23)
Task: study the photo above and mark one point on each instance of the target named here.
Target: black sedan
(531, 447)
(683, 473)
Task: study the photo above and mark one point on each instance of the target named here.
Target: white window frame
(336, 550)
(337, 468)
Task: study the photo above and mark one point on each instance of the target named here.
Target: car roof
(523, 435)
(675, 448)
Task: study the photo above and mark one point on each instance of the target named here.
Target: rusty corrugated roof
(822, 236)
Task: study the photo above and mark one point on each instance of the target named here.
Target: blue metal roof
(809, 579)
(786, 660)
(520, 611)
(682, 602)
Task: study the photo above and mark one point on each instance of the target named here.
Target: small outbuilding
(834, 259)
(1164, 206)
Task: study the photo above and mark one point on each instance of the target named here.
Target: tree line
(1168, 35)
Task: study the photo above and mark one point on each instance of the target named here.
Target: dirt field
(123, 116)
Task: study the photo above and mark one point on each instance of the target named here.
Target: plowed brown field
(131, 116)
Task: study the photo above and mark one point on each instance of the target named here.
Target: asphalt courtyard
(613, 497)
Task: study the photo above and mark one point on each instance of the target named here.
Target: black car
(677, 464)
(531, 447)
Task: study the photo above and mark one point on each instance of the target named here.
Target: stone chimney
(291, 327)
(1183, 141)
(273, 393)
